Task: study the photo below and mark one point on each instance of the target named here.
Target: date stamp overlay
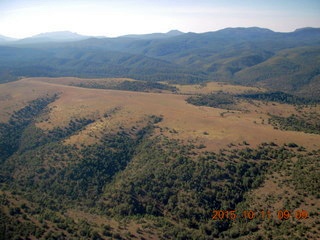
(282, 214)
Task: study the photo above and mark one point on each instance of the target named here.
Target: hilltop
(60, 36)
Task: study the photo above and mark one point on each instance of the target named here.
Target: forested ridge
(218, 100)
(11, 132)
(286, 62)
(295, 123)
(279, 97)
(133, 174)
(136, 86)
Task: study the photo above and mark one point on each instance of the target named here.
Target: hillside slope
(289, 70)
(86, 163)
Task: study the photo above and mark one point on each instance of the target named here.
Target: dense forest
(295, 123)
(228, 101)
(279, 97)
(218, 100)
(136, 86)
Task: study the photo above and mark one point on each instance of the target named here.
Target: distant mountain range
(252, 56)
(62, 36)
(172, 33)
(6, 39)
(67, 36)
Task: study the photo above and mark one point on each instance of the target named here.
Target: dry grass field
(213, 127)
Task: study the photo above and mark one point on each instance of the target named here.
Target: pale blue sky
(23, 18)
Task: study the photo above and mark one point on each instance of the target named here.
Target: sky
(111, 18)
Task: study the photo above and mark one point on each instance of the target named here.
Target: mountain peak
(174, 33)
(307, 32)
(59, 35)
(246, 30)
(307, 29)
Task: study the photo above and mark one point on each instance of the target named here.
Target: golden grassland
(113, 110)
(214, 127)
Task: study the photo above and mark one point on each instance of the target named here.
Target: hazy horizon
(26, 18)
(68, 31)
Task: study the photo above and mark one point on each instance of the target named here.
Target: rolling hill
(100, 159)
(16, 62)
(288, 70)
(237, 55)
